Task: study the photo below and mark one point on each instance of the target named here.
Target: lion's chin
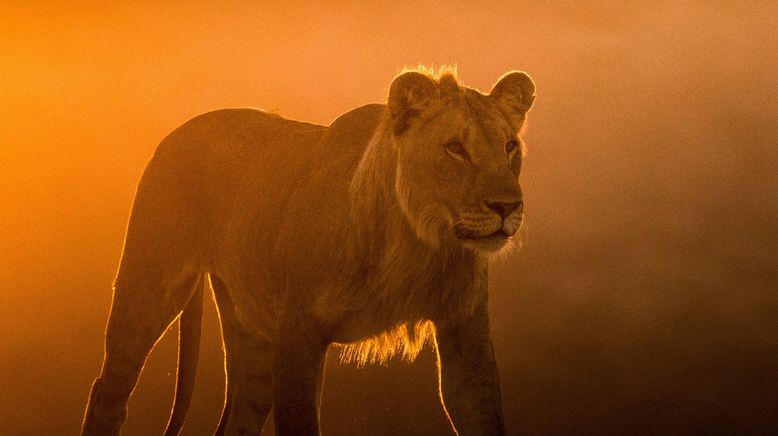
(487, 244)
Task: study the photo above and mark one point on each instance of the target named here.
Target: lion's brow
(471, 102)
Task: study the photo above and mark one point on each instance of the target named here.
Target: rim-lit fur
(407, 186)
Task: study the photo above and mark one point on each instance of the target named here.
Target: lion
(375, 232)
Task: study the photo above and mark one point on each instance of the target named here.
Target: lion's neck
(373, 205)
(393, 261)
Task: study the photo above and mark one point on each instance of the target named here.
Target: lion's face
(459, 158)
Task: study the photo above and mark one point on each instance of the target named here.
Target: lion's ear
(514, 94)
(409, 94)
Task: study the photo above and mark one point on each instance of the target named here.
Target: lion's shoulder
(355, 126)
(367, 113)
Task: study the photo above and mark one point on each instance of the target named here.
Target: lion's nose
(503, 208)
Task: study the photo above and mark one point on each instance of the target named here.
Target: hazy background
(644, 299)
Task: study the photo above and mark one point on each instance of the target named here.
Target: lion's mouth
(498, 236)
(471, 235)
(488, 243)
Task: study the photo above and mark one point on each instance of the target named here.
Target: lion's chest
(407, 299)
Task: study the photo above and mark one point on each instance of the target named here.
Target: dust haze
(642, 301)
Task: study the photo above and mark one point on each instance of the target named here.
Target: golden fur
(374, 232)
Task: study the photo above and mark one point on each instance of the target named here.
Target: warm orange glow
(644, 295)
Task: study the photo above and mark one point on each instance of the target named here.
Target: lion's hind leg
(249, 359)
(142, 310)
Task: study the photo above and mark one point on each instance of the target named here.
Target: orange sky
(650, 182)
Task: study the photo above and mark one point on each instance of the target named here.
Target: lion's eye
(511, 147)
(456, 149)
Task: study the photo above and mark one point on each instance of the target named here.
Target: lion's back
(202, 175)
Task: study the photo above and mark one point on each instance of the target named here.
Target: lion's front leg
(469, 382)
(298, 367)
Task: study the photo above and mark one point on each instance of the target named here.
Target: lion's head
(459, 157)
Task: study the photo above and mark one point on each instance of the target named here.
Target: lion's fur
(368, 231)
(376, 197)
(406, 340)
